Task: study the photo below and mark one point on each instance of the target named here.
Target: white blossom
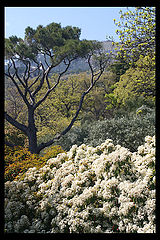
(87, 189)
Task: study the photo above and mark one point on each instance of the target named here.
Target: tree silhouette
(56, 45)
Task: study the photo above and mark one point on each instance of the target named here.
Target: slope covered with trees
(60, 45)
(123, 83)
(67, 177)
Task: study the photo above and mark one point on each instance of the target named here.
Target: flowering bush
(103, 189)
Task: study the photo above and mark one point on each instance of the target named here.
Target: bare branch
(47, 73)
(76, 114)
(9, 144)
(16, 72)
(19, 90)
(45, 60)
(39, 86)
(34, 81)
(58, 136)
(42, 79)
(15, 123)
(24, 84)
(51, 89)
(27, 70)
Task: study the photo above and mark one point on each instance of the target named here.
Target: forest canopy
(119, 78)
(80, 129)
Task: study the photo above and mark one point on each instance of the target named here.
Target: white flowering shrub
(106, 189)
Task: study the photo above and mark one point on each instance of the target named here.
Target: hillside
(78, 65)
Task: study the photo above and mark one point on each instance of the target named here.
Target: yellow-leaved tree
(136, 30)
(136, 33)
(138, 81)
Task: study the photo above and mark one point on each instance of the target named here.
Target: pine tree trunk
(32, 131)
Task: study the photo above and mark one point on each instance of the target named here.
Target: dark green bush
(75, 136)
(128, 131)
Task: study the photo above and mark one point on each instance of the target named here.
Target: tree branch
(9, 144)
(27, 71)
(35, 80)
(19, 90)
(18, 125)
(39, 86)
(58, 136)
(16, 72)
(51, 89)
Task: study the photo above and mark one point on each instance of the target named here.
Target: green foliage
(137, 81)
(56, 113)
(14, 135)
(62, 41)
(95, 105)
(128, 131)
(131, 106)
(136, 33)
(15, 45)
(53, 36)
(111, 100)
(75, 136)
(118, 67)
(137, 50)
(51, 152)
(18, 160)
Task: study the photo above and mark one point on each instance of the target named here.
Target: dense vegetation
(105, 189)
(114, 100)
(18, 160)
(128, 131)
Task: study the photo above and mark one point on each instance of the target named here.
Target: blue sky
(95, 22)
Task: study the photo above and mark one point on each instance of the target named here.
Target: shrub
(18, 160)
(75, 136)
(15, 136)
(128, 131)
(104, 189)
(51, 152)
